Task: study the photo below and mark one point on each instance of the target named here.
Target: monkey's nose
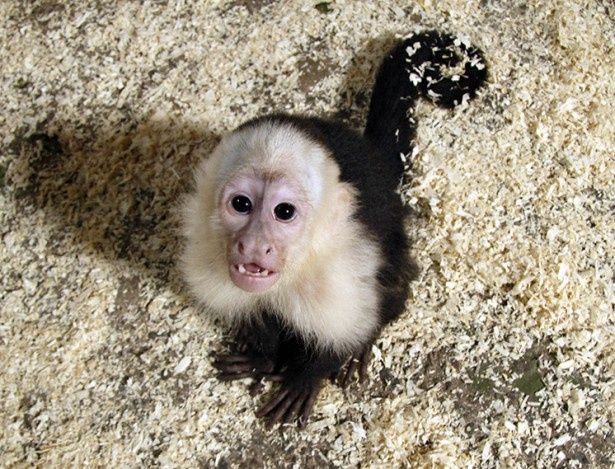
(264, 249)
(254, 248)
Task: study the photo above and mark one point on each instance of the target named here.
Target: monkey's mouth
(252, 277)
(253, 270)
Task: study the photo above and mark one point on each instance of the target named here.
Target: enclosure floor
(506, 353)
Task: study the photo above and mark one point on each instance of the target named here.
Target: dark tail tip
(440, 67)
(446, 69)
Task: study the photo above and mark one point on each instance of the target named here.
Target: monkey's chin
(250, 282)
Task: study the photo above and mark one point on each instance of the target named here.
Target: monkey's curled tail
(430, 64)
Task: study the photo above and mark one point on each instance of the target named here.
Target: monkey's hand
(292, 401)
(247, 365)
(357, 364)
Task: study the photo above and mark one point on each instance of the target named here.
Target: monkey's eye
(241, 204)
(284, 211)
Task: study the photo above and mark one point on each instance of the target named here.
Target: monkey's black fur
(372, 164)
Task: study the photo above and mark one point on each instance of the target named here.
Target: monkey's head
(262, 199)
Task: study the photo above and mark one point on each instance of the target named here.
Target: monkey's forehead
(256, 181)
(274, 151)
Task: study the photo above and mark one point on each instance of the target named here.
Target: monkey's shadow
(115, 190)
(352, 102)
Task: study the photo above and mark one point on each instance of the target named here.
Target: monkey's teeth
(241, 268)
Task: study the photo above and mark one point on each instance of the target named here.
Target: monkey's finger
(350, 371)
(273, 403)
(233, 358)
(365, 357)
(341, 375)
(273, 376)
(307, 407)
(296, 407)
(279, 416)
(236, 368)
(234, 376)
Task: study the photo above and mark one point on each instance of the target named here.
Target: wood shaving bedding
(506, 354)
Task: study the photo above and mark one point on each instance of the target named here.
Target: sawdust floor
(505, 356)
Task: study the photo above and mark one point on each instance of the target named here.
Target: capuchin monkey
(295, 232)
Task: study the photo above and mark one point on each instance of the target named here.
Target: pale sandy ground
(505, 356)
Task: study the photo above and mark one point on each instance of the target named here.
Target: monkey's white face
(264, 214)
